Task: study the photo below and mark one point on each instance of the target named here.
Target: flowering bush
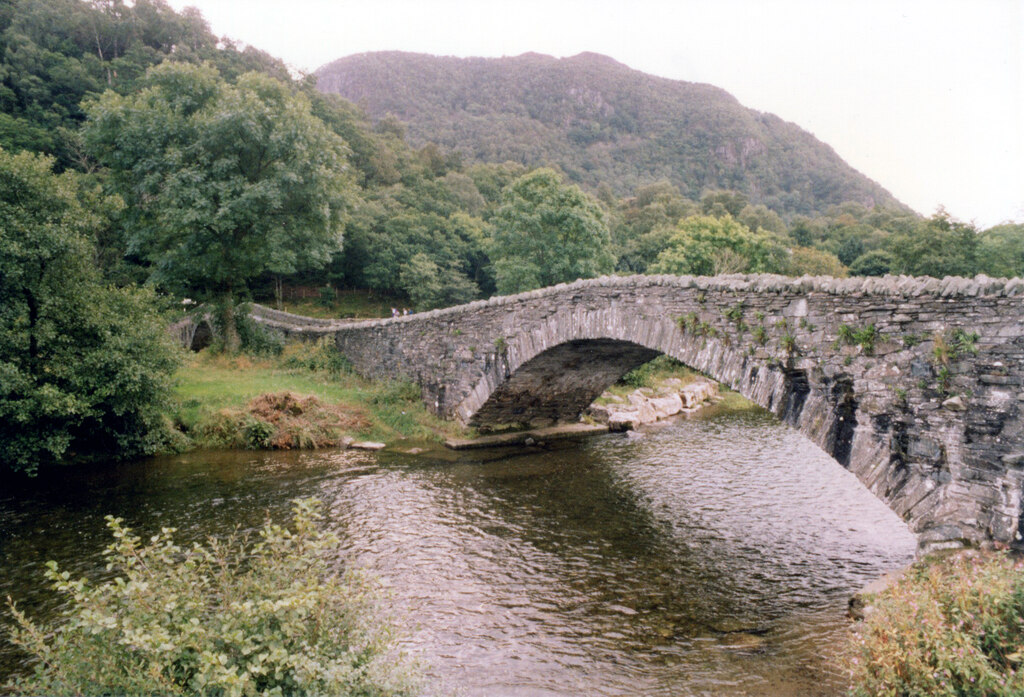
(241, 617)
(952, 626)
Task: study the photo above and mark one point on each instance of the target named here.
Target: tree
(545, 233)
(814, 262)
(705, 245)
(1002, 250)
(877, 262)
(939, 246)
(428, 286)
(83, 368)
(224, 182)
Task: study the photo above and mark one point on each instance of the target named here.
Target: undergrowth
(952, 626)
(266, 615)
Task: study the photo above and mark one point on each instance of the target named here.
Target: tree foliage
(547, 232)
(705, 246)
(83, 368)
(224, 182)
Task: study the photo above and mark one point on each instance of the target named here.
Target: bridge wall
(940, 439)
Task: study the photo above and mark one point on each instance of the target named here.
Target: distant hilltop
(601, 122)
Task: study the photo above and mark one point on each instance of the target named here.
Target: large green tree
(83, 367)
(704, 245)
(224, 182)
(547, 232)
(938, 246)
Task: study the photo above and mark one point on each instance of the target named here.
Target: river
(713, 556)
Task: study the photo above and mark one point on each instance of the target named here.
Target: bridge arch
(862, 367)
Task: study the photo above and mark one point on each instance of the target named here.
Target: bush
(257, 339)
(321, 356)
(228, 618)
(951, 626)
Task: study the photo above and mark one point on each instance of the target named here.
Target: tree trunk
(232, 342)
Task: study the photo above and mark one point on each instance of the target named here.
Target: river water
(713, 556)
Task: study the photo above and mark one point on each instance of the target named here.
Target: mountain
(601, 122)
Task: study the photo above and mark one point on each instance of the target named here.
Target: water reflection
(714, 556)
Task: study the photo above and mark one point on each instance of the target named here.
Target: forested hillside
(601, 123)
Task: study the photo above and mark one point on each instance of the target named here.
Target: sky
(926, 97)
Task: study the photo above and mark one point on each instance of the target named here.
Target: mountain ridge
(601, 121)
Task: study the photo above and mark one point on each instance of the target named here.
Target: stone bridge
(914, 384)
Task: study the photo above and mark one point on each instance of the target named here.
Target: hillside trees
(83, 367)
(705, 246)
(223, 182)
(545, 233)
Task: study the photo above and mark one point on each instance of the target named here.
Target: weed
(788, 343)
(760, 335)
(964, 342)
(950, 626)
(735, 313)
(501, 346)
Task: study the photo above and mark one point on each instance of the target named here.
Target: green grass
(212, 392)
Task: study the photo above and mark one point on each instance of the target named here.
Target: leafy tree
(547, 232)
(939, 246)
(83, 368)
(877, 262)
(761, 217)
(720, 203)
(1001, 250)
(225, 182)
(705, 245)
(428, 286)
(814, 262)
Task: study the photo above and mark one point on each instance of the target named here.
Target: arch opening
(202, 337)
(559, 383)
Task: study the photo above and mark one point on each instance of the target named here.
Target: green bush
(951, 626)
(257, 339)
(320, 356)
(239, 617)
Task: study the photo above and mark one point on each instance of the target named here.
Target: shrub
(951, 626)
(229, 618)
(321, 356)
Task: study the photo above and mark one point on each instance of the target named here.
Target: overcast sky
(926, 97)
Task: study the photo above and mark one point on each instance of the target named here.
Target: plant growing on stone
(951, 626)
(760, 335)
(788, 343)
(864, 337)
(964, 342)
(501, 345)
(235, 617)
(688, 321)
(943, 379)
(734, 313)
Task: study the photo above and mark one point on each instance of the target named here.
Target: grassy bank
(303, 398)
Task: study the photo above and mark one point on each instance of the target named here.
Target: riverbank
(306, 398)
(301, 399)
